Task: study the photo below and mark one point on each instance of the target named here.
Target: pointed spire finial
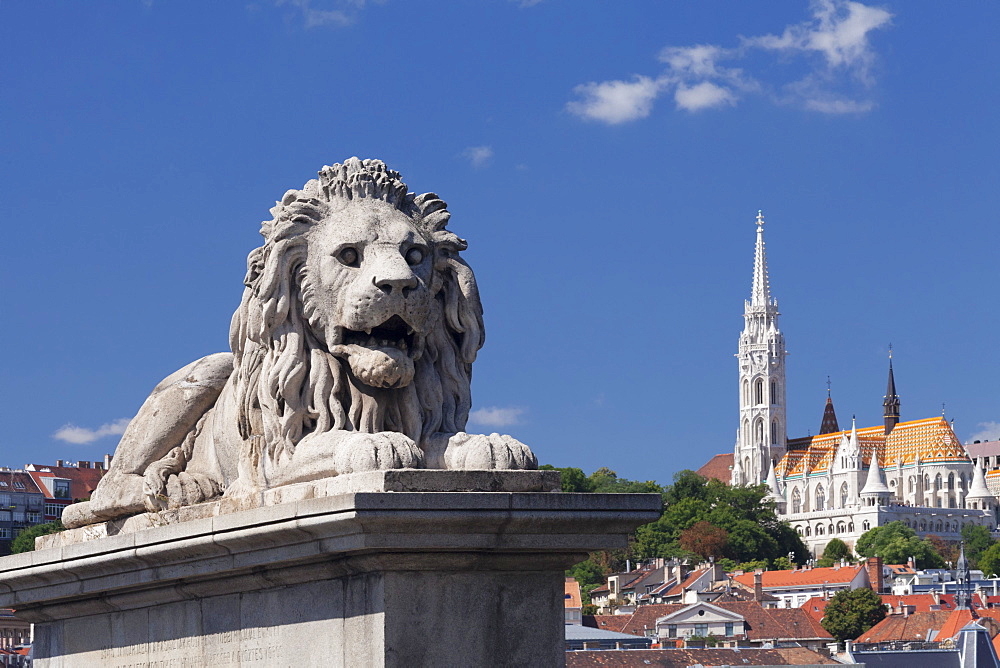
(760, 292)
(760, 218)
(827, 387)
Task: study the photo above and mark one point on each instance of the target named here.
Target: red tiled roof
(718, 467)
(803, 577)
(912, 627)
(19, 482)
(606, 622)
(678, 589)
(573, 599)
(682, 658)
(82, 481)
(780, 623)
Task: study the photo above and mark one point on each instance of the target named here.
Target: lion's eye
(348, 256)
(414, 256)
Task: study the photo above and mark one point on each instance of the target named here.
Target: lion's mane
(288, 385)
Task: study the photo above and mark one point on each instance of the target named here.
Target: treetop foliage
(852, 612)
(25, 541)
(895, 543)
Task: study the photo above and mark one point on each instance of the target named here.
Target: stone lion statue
(352, 350)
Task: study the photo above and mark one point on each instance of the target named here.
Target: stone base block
(351, 578)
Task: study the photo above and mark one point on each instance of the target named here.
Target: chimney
(758, 585)
(875, 579)
(911, 564)
(937, 596)
(107, 461)
(59, 462)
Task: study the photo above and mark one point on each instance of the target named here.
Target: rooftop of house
(82, 480)
(718, 467)
(18, 482)
(978, 449)
(682, 658)
(803, 577)
(906, 628)
(573, 598)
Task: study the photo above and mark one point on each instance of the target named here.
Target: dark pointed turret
(891, 403)
(963, 595)
(829, 424)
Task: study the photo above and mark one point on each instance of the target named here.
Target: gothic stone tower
(761, 436)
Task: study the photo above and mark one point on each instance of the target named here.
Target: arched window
(830, 530)
(798, 530)
(796, 501)
(820, 498)
(746, 466)
(746, 432)
(774, 432)
(774, 391)
(759, 431)
(843, 495)
(850, 527)
(841, 527)
(866, 525)
(951, 481)
(819, 530)
(937, 482)
(909, 487)
(808, 530)
(961, 481)
(758, 391)
(745, 395)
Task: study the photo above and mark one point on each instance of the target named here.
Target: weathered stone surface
(373, 578)
(352, 351)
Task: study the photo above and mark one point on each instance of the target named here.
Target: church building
(840, 483)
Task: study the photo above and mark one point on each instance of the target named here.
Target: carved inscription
(242, 647)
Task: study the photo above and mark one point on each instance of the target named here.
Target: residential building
(21, 505)
(794, 588)
(573, 602)
(684, 658)
(66, 482)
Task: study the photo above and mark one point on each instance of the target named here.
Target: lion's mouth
(393, 333)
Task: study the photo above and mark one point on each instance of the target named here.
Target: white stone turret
(875, 492)
(848, 457)
(762, 434)
(774, 492)
(979, 496)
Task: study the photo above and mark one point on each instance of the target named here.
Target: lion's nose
(390, 284)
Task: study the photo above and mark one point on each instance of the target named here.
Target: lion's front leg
(340, 452)
(464, 451)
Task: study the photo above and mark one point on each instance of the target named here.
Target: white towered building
(839, 484)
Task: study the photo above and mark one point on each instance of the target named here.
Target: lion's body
(352, 350)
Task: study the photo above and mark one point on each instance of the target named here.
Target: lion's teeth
(368, 331)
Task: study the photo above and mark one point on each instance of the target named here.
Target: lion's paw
(359, 451)
(493, 451)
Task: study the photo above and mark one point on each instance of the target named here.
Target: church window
(923, 525)
(759, 432)
(843, 495)
(746, 432)
(798, 530)
(774, 392)
(841, 527)
(909, 487)
(819, 530)
(796, 501)
(937, 482)
(850, 527)
(961, 481)
(774, 432)
(758, 391)
(808, 531)
(745, 398)
(820, 498)
(866, 525)
(951, 481)
(830, 530)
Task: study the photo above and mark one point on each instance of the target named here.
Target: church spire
(891, 402)
(760, 293)
(762, 433)
(829, 424)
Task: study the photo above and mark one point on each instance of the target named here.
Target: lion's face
(369, 268)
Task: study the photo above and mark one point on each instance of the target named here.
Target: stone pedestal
(369, 570)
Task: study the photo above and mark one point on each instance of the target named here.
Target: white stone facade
(841, 484)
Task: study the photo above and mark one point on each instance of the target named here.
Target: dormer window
(18, 484)
(60, 489)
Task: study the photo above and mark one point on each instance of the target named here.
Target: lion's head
(358, 314)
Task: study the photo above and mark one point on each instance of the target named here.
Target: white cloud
(478, 156)
(838, 31)
(703, 96)
(342, 13)
(80, 435)
(988, 431)
(493, 416)
(616, 101)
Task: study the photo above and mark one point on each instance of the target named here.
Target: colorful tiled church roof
(931, 440)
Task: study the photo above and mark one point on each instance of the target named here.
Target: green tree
(606, 481)
(895, 543)
(977, 540)
(572, 479)
(25, 541)
(851, 613)
(835, 550)
(989, 560)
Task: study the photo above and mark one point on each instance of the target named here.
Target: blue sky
(605, 164)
